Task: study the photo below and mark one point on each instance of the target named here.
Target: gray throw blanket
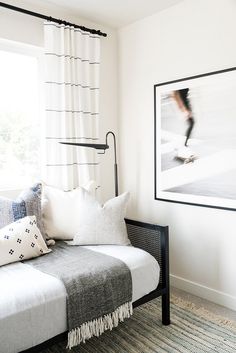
(99, 289)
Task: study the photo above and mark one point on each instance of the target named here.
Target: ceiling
(114, 13)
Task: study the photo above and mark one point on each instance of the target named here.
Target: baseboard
(199, 290)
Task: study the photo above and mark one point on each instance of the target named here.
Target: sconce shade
(97, 146)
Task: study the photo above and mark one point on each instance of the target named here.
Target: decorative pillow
(60, 211)
(28, 203)
(21, 240)
(99, 224)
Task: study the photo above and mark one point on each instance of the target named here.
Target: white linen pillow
(21, 240)
(60, 211)
(99, 224)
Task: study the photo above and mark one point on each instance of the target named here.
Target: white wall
(190, 38)
(23, 28)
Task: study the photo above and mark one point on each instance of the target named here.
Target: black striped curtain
(72, 60)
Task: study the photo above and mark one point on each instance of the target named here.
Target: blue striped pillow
(28, 203)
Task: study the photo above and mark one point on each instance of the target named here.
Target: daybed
(33, 304)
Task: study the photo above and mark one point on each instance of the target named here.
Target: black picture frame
(202, 181)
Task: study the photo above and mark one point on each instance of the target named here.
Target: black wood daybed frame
(155, 240)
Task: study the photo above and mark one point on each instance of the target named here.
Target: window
(20, 136)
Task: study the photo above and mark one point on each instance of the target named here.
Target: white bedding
(33, 304)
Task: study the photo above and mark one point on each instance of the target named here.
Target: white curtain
(72, 61)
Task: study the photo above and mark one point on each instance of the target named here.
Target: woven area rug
(192, 330)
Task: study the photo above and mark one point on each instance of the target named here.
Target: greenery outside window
(20, 115)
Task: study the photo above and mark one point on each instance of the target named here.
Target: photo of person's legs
(190, 122)
(181, 97)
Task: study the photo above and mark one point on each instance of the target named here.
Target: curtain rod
(49, 18)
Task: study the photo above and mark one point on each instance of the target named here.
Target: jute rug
(191, 330)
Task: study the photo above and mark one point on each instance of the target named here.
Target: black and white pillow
(21, 240)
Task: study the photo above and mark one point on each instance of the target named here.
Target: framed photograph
(195, 140)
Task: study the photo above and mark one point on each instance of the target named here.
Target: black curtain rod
(49, 18)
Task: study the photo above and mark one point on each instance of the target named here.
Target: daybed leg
(165, 301)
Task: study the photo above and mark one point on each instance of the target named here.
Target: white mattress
(33, 304)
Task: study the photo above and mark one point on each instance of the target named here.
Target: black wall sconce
(103, 148)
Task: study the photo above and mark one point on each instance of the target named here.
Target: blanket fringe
(98, 326)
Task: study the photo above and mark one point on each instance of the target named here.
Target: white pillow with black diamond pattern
(21, 240)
